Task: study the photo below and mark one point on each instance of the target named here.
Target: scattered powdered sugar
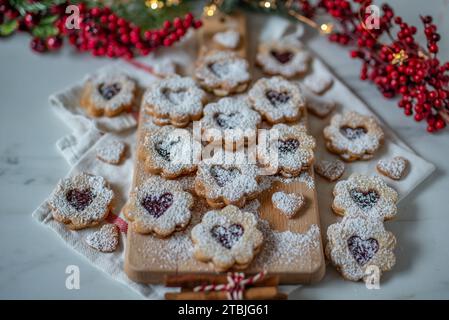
(228, 39)
(303, 177)
(393, 168)
(288, 203)
(111, 151)
(286, 248)
(104, 240)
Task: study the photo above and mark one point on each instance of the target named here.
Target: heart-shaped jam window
(288, 146)
(79, 199)
(109, 91)
(353, 133)
(277, 98)
(157, 205)
(175, 96)
(364, 199)
(219, 69)
(362, 250)
(164, 148)
(283, 57)
(223, 175)
(227, 236)
(227, 121)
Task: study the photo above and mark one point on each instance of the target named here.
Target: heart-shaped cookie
(393, 168)
(363, 250)
(364, 199)
(228, 39)
(288, 203)
(105, 240)
(227, 236)
(157, 205)
(331, 170)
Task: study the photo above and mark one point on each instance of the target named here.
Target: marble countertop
(34, 260)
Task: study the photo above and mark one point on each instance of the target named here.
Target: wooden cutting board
(292, 248)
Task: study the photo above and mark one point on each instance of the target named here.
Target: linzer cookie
(106, 239)
(283, 57)
(223, 184)
(231, 119)
(393, 168)
(223, 72)
(169, 151)
(289, 148)
(331, 170)
(228, 238)
(174, 100)
(277, 99)
(159, 206)
(288, 203)
(363, 195)
(111, 152)
(108, 94)
(353, 136)
(81, 201)
(357, 244)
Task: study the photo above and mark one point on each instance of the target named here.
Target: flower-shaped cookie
(108, 94)
(231, 119)
(277, 99)
(159, 206)
(223, 72)
(226, 182)
(353, 136)
(169, 151)
(366, 196)
(283, 57)
(81, 201)
(357, 244)
(174, 100)
(289, 148)
(227, 238)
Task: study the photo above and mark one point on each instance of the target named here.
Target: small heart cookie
(111, 152)
(331, 170)
(287, 203)
(229, 39)
(393, 168)
(318, 83)
(104, 240)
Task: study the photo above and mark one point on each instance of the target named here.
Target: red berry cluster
(103, 33)
(401, 67)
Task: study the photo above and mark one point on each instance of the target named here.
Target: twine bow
(235, 286)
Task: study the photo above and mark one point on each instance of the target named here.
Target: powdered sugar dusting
(104, 240)
(393, 168)
(288, 203)
(111, 151)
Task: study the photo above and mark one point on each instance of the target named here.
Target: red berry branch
(401, 67)
(101, 31)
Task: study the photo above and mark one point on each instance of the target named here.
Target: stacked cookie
(359, 246)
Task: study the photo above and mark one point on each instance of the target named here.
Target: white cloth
(79, 151)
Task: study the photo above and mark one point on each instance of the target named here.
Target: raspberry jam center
(277, 98)
(79, 199)
(362, 250)
(364, 199)
(282, 57)
(288, 146)
(353, 133)
(157, 205)
(223, 176)
(108, 91)
(227, 236)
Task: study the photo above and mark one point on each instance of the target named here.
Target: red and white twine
(235, 286)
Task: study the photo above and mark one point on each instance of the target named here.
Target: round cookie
(289, 148)
(159, 207)
(174, 100)
(277, 99)
(169, 151)
(283, 57)
(81, 201)
(353, 136)
(358, 243)
(230, 119)
(108, 94)
(362, 195)
(228, 238)
(223, 72)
